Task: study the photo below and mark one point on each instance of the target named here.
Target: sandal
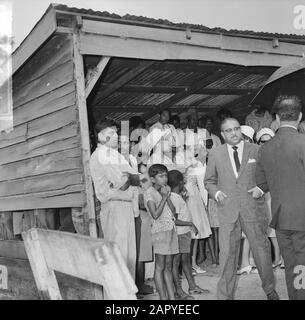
(276, 265)
(198, 290)
(198, 270)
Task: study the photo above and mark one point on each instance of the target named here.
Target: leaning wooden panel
(83, 257)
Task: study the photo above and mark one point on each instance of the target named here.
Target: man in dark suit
(281, 170)
(230, 180)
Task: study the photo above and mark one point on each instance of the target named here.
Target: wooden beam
(197, 86)
(44, 28)
(142, 66)
(84, 132)
(165, 89)
(94, 44)
(203, 39)
(94, 75)
(190, 66)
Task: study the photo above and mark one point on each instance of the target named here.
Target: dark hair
(135, 121)
(288, 108)
(224, 113)
(174, 178)
(209, 118)
(175, 117)
(225, 120)
(156, 169)
(103, 124)
(167, 110)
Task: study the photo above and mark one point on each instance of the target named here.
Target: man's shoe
(273, 296)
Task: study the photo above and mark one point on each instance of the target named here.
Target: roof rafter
(142, 66)
(193, 89)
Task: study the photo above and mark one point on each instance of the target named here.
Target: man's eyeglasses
(262, 141)
(230, 130)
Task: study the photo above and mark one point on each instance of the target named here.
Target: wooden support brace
(94, 75)
(84, 132)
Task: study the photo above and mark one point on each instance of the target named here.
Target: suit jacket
(220, 176)
(281, 170)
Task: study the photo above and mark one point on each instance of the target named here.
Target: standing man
(113, 179)
(281, 170)
(230, 180)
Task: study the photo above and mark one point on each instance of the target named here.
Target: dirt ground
(249, 286)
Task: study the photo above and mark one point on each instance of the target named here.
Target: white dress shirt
(240, 151)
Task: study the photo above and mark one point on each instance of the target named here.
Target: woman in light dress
(195, 166)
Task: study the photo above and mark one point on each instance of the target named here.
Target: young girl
(164, 234)
(195, 154)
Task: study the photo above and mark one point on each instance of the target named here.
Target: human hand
(194, 229)
(256, 192)
(165, 191)
(221, 196)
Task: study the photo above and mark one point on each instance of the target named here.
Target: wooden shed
(79, 65)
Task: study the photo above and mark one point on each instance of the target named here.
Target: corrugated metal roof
(164, 80)
(166, 23)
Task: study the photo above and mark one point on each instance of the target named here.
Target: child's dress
(194, 178)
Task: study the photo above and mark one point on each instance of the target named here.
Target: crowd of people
(169, 191)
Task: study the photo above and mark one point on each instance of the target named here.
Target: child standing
(164, 234)
(184, 227)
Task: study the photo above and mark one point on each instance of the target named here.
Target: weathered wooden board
(62, 139)
(12, 249)
(69, 197)
(53, 121)
(47, 182)
(55, 52)
(203, 39)
(84, 257)
(40, 33)
(50, 81)
(47, 163)
(53, 101)
(84, 132)
(16, 136)
(153, 50)
(21, 283)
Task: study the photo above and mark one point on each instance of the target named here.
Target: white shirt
(182, 211)
(240, 150)
(288, 126)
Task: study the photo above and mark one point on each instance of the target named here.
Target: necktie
(236, 159)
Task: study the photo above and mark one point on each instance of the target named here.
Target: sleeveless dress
(195, 202)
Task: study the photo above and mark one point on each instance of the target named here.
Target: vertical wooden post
(84, 131)
(44, 277)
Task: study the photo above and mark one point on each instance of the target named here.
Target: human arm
(186, 224)
(211, 179)
(155, 210)
(260, 175)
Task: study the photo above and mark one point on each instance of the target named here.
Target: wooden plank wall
(40, 160)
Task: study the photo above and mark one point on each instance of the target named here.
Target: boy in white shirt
(184, 227)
